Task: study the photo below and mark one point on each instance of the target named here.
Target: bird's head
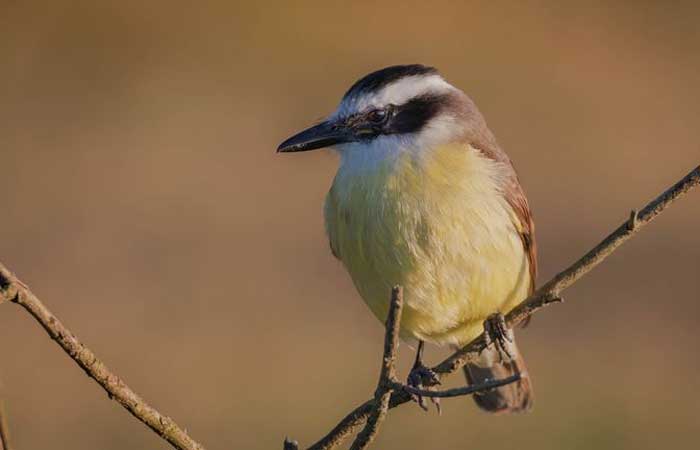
(393, 110)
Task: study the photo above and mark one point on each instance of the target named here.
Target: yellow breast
(436, 223)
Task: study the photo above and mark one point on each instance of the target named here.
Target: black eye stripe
(409, 117)
(412, 116)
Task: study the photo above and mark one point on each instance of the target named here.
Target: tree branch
(387, 374)
(12, 289)
(549, 293)
(460, 391)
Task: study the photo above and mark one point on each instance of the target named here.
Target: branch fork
(389, 384)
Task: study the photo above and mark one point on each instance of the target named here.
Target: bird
(424, 197)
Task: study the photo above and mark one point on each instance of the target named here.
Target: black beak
(322, 135)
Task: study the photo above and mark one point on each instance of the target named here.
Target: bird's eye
(377, 116)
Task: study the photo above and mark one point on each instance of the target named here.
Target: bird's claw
(500, 336)
(423, 378)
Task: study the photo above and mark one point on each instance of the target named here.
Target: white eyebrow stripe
(401, 91)
(396, 93)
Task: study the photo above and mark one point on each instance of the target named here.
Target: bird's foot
(423, 378)
(500, 336)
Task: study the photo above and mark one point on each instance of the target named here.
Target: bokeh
(143, 202)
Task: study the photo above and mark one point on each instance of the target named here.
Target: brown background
(143, 202)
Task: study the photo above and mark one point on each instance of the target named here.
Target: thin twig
(11, 289)
(460, 391)
(4, 428)
(549, 293)
(387, 375)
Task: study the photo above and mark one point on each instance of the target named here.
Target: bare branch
(387, 375)
(549, 293)
(460, 391)
(11, 289)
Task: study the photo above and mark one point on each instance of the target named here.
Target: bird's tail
(511, 398)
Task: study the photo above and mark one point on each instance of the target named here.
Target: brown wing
(516, 198)
(478, 135)
(514, 194)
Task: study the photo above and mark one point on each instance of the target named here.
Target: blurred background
(143, 202)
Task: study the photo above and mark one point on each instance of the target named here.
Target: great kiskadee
(425, 198)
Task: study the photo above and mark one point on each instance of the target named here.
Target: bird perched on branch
(425, 198)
